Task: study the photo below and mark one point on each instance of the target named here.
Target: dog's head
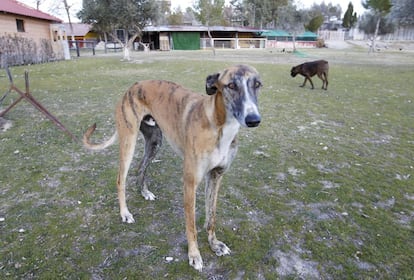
(295, 70)
(239, 86)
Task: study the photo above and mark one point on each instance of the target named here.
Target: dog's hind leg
(153, 142)
(127, 122)
(213, 180)
(322, 76)
(127, 138)
(325, 74)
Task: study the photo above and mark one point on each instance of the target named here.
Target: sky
(76, 5)
(299, 3)
(343, 3)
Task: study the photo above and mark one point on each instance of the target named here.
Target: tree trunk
(116, 39)
(67, 7)
(211, 41)
(294, 42)
(106, 40)
(372, 47)
(128, 47)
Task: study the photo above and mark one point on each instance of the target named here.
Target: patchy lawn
(322, 189)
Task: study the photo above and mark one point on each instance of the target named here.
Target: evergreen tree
(315, 23)
(350, 17)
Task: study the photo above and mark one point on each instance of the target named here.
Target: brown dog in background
(310, 69)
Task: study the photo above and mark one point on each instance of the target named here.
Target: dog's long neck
(220, 113)
(227, 125)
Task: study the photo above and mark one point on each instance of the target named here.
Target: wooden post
(77, 48)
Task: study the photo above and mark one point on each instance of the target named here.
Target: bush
(320, 43)
(17, 50)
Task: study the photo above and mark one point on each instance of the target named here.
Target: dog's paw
(220, 248)
(148, 195)
(127, 217)
(196, 261)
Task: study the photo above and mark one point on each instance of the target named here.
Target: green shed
(307, 36)
(186, 40)
(278, 35)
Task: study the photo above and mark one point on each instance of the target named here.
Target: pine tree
(350, 17)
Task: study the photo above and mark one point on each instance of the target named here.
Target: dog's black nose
(252, 120)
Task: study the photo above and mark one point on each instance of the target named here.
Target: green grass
(322, 189)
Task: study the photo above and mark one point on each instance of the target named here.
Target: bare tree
(67, 8)
(380, 8)
(292, 20)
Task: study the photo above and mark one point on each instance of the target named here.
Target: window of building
(20, 25)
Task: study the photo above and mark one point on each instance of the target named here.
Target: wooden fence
(400, 34)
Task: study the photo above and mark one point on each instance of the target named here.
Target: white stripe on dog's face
(250, 103)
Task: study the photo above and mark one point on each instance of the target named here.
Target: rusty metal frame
(29, 97)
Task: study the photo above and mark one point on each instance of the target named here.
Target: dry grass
(322, 189)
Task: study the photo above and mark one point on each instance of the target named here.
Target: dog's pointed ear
(211, 80)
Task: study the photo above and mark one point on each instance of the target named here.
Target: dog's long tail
(91, 146)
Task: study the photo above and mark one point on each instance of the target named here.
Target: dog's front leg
(304, 82)
(306, 79)
(310, 80)
(213, 180)
(190, 185)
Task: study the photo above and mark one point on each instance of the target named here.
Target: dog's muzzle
(252, 120)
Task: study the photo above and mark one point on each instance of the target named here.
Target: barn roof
(308, 34)
(78, 29)
(17, 8)
(275, 33)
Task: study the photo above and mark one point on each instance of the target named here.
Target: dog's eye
(257, 84)
(231, 86)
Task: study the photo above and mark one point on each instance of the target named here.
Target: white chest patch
(221, 155)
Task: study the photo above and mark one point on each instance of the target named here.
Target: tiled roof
(17, 8)
(79, 29)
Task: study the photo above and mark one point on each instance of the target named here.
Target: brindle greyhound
(201, 129)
